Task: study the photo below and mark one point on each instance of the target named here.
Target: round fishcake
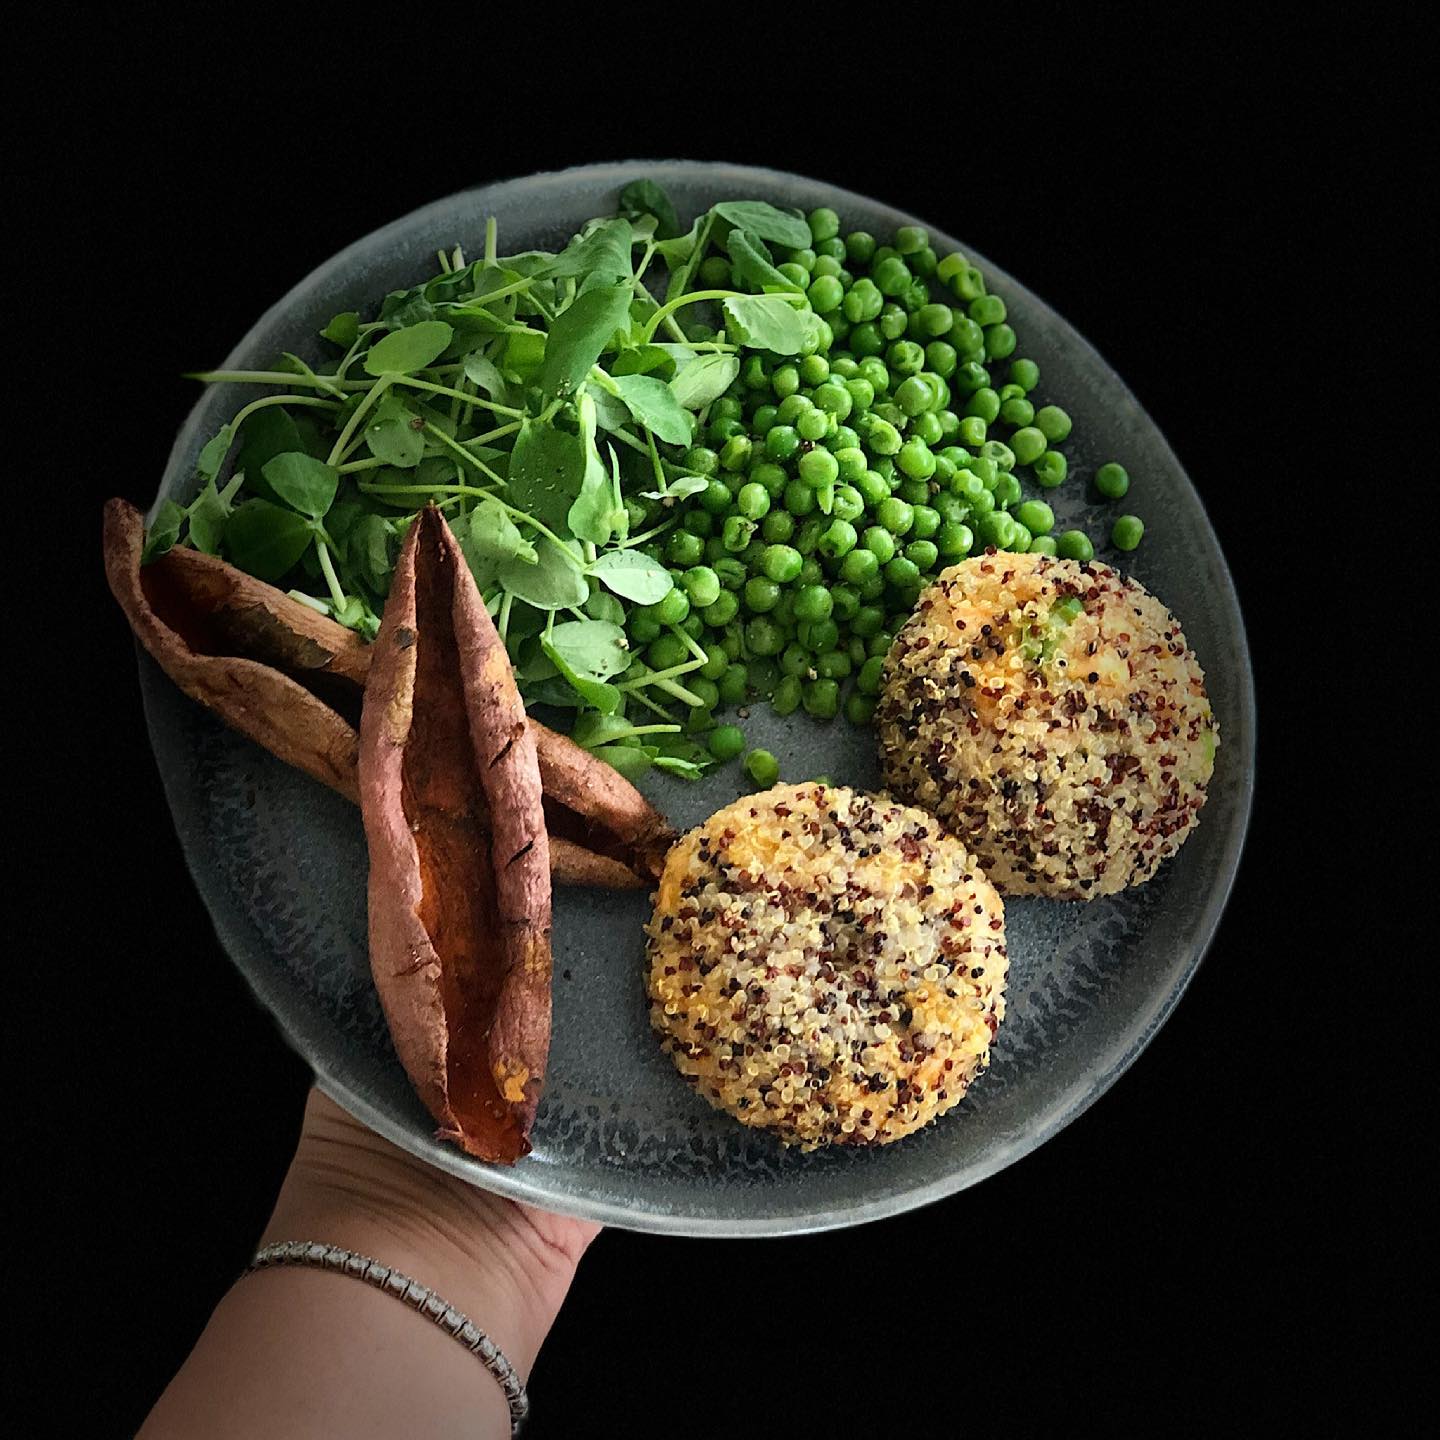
(826, 964)
(1049, 714)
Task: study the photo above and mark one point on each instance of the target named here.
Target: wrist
(506, 1268)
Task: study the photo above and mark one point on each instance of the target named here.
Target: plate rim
(513, 1183)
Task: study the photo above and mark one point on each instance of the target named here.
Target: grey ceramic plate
(281, 862)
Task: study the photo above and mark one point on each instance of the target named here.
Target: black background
(1179, 1247)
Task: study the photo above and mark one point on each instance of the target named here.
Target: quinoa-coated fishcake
(1050, 714)
(826, 964)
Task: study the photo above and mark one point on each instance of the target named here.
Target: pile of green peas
(840, 482)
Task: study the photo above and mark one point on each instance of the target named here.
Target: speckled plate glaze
(281, 862)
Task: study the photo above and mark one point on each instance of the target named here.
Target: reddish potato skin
(188, 609)
(459, 892)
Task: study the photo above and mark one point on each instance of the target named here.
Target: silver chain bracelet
(416, 1296)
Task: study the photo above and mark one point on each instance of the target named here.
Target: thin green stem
(492, 231)
(353, 466)
(694, 297)
(464, 454)
(327, 567)
(377, 389)
(434, 389)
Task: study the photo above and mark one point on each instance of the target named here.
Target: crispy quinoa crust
(1050, 714)
(826, 964)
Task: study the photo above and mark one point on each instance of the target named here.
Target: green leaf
(266, 434)
(635, 576)
(598, 510)
(704, 379)
(368, 551)
(654, 405)
(591, 647)
(208, 513)
(605, 251)
(645, 197)
(344, 329)
(752, 266)
(603, 696)
(547, 470)
(677, 765)
(677, 251)
(303, 482)
(580, 334)
(644, 359)
(779, 227)
(554, 582)
(610, 410)
(392, 435)
(489, 539)
(632, 761)
(164, 531)
(483, 373)
(678, 489)
(403, 352)
(771, 322)
(212, 456)
(266, 540)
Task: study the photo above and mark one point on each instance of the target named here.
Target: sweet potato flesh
(444, 805)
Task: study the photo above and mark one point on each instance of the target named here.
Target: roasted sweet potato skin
(192, 612)
(459, 893)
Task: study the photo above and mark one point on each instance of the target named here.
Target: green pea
(970, 377)
(859, 709)
(1112, 480)
(848, 504)
(926, 428)
(847, 602)
(911, 238)
(722, 610)
(805, 543)
(1050, 469)
(777, 527)
(972, 431)
(753, 501)
(987, 310)
(879, 541)
(953, 540)
(895, 514)
(941, 357)
(839, 539)
(819, 468)
(813, 603)
(700, 460)
(791, 408)
(967, 283)
(905, 357)
(683, 549)
(981, 504)
(781, 563)
(913, 491)
(844, 366)
(761, 766)
(884, 438)
(818, 635)
(763, 635)
(914, 395)
(998, 454)
(1036, 516)
(702, 585)
(813, 425)
(862, 393)
(644, 627)
(1016, 411)
(874, 369)
(999, 342)
(950, 265)
(1074, 545)
(715, 272)
(859, 565)
(736, 454)
(986, 404)
(869, 619)
(926, 522)
(891, 275)
(879, 643)
(782, 442)
(761, 594)
(731, 571)
(916, 460)
(822, 699)
(1043, 545)
(700, 523)
(824, 223)
(799, 498)
(1053, 423)
(825, 294)
(833, 398)
(833, 665)
(1025, 373)
(862, 302)
(826, 265)
(667, 651)
(997, 529)
(866, 340)
(764, 419)
(737, 533)
(845, 437)
(1127, 532)
(860, 246)
(734, 685)
(1007, 491)
(719, 431)
(785, 381)
(902, 571)
(922, 554)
